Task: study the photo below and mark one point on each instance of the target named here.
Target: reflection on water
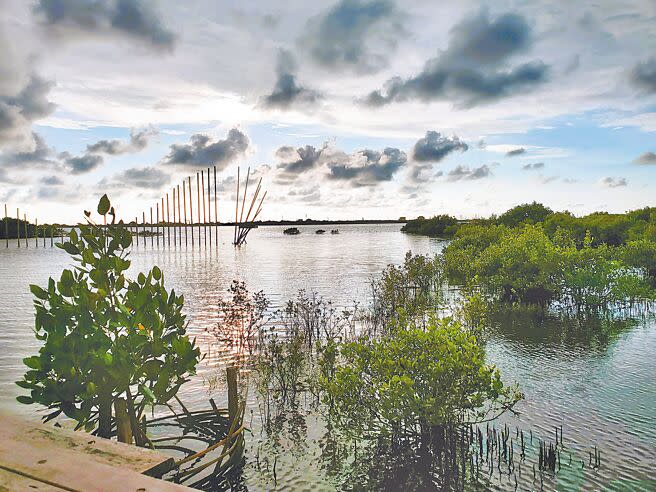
(595, 378)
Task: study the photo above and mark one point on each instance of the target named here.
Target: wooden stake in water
(6, 226)
(202, 177)
(27, 242)
(36, 233)
(152, 237)
(198, 202)
(175, 239)
(52, 236)
(157, 216)
(43, 227)
(144, 227)
(236, 208)
(179, 218)
(168, 221)
(136, 229)
(209, 208)
(184, 207)
(216, 211)
(163, 222)
(191, 211)
(18, 226)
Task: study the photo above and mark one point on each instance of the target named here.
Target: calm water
(597, 380)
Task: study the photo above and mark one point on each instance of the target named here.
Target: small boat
(335, 231)
(320, 231)
(292, 231)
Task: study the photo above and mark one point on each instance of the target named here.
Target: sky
(346, 109)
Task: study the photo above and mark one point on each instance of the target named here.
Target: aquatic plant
(416, 379)
(108, 341)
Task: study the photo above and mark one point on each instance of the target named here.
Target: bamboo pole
(174, 222)
(152, 237)
(243, 232)
(52, 236)
(236, 207)
(168, 220)
(6, 227)
(198, 202)
(43, 228)
(157, 223)
(202, 178)
(144, 228)
(27, 236)
(243, 202)
(163, 223)
(136, 228)
(209, 208)
(184, 207)
(18, 226)
(191, 212)
(36, 233)
(179, 219)
(216, 211)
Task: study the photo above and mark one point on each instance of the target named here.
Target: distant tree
(527, 213)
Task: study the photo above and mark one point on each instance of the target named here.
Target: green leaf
(25, 400)
(157, 273)
(148, 394)
(71, 249)
(38, 292)
(33, 362)
(103, 205)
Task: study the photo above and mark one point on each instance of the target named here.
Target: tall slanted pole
(202, 178)
(216, 211)
(234, 241)
(191, 211)
(18, 226)
(198, 202)
(209, 208)
(179, 218)
(184, 207)
(6, 226)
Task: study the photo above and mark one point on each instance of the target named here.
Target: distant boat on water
(335, 231)
(320, 231)
(292, 231)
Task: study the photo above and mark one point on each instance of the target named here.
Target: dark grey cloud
(467, 173)
(646, 158)
(643, 75)
(434, 147)
(150, 178)
(80, 164)
(516, 152)
(368, 167)
(202, 151)
(358, 35)
(611, 182)
(40, 156)
(533, 166)
(136, 19)
(297, 161)
(138, 141)
(18, 110)
(287, 92)
(474, 68)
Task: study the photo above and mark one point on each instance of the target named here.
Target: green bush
(443, 226)
(106, 336)
(416, 379)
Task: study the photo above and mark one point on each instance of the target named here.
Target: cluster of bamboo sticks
(243, 227)
(171, 217)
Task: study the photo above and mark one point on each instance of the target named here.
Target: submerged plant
(105, 336)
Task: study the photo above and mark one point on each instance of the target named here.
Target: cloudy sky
(347, 109)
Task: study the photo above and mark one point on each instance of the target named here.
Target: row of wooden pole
(26, 239)
(183, 225)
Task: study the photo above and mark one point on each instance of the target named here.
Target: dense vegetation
(443, 226)
(531, 254)
(108, 341)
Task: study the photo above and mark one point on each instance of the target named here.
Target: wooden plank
(10, 481)
(72, 470)
(54, 440)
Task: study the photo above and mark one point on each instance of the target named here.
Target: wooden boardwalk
(34, 456)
